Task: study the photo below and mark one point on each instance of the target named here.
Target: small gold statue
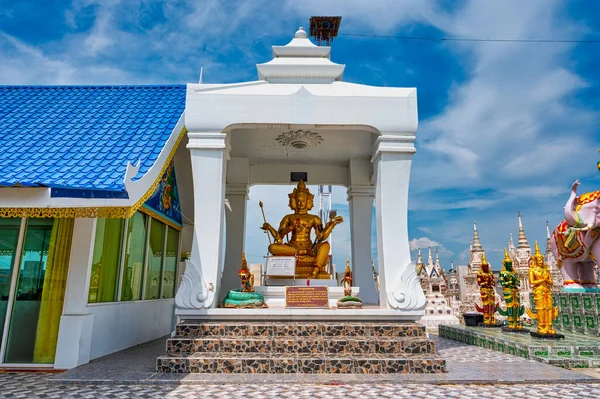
(246, 278)
(244, 297)
(347, 282)
(348, 301)
(312, 257)
(487, 283)
(540, 279)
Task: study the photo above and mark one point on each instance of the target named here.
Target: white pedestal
(301, 282)
(275, 296)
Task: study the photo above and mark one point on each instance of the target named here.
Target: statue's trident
(265, 219)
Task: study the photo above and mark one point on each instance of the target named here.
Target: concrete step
(299, 345)
(198, 328)
(301, 363)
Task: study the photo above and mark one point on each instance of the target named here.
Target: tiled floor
(472, 373)
(22, 385)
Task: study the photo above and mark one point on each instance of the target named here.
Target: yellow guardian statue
(312, 256)
(540, 279)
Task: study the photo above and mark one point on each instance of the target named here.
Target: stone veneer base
(575, 351)
(299, 347)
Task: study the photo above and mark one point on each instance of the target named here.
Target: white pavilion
(357, 136)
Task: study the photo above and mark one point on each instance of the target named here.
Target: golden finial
(483, 260)
(244, 262)
(347, 265)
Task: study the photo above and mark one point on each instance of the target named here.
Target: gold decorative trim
(120, 212)
(86, 212)
(149, 193)
(155, 215)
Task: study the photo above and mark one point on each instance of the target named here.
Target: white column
(75, 331)
(200, 283)
(360, 199)
(399, 284)
(235, 220)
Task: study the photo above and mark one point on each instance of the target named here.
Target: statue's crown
(483, 259)
(537, 253)
(506, 257)
(301, 188)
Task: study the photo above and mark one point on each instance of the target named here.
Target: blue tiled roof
(80, 138)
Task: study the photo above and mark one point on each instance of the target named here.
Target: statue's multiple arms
(267, 227)
(326, 231)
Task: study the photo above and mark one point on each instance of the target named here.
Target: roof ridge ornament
(301, 33)
(300, 61)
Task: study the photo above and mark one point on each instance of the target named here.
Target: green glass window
(171, 260)
(41, 283)
(134, 257)
(155, 259)
(104, 279)
(9, 235)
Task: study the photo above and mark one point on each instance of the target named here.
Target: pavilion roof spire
(419, 258)
(476, 242)
(300, 61)
(522, 243)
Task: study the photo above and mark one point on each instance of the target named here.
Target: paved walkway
(472, 372)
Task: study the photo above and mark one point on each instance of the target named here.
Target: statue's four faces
(301, 200)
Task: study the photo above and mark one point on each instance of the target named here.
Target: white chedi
(437, 311)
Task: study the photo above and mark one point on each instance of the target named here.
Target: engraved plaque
(307, 297)
(281, 266)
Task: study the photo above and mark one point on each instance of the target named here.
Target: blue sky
(503, 126)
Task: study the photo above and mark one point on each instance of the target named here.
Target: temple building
(94, 197)
(431, 275)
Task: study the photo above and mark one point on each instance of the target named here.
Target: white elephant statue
(575, 241)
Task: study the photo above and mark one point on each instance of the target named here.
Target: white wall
(120, 325)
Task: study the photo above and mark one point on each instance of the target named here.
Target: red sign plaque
(316, 296)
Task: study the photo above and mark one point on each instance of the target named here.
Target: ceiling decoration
(299, 139)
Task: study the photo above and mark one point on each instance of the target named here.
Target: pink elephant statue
(575, 241)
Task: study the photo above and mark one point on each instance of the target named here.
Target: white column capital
(388, 143)
(360, 191)
(237, 189)
(208, 141)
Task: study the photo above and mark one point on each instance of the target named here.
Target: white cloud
(423, 242)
